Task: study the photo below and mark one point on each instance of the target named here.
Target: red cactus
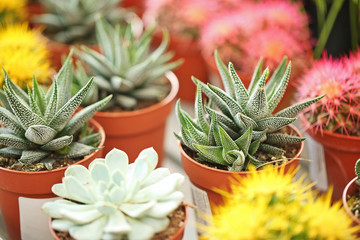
(339, 110)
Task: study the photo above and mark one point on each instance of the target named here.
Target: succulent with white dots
(240, 118)
(113, 199)
(40, 127)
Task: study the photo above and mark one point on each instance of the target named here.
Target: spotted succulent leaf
(13, 141)
(10, 121)
(57, 143)
(276, 96)
(40, 134)
(273, 123)
(294, 110)
(275, 78)
(241, 94)
(199, 111)
(282, 139)
(225, 76)
(31, 156)
(255, 77)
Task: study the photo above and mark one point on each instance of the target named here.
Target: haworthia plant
(113, 199)
(240, 119)
(73, 21)
(40, 126)
(127, 67)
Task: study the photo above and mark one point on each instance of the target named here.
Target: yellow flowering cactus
(269, 205)
(12, 11)
(24, 54)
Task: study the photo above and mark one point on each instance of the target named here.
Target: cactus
(339, 79)
(113, 199)
(73, 21)
(245, 116)
(127, 67)
(39, 126)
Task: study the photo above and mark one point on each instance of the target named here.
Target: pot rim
(101, 145)
(180, 231)
(242, 172)
(172, 94)
(344, 201)
(325, 132)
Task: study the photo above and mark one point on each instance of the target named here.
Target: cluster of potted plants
(61, 133)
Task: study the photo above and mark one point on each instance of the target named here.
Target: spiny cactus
(127, 67)
(339, 79)
(114, 199)
(40, 126)
(245, 116)
(73, 21)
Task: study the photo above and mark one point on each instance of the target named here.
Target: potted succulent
(39, 138)
(143, 90)
(271, 205)
(69, 22)
(333, 122)
(184, 20)
(236, 129)
(350, 197)
(12, 11)
(113, 199)
(263, 29)
(23, 54)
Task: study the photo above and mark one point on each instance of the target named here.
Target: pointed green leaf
(64, 81)
(255, 78)
(15, 89)
(274, 123)
(198, 136)
(31, 156)
(225, 76)
(40, 134)
(212, 154)
(62, 116)
(57, 143)
(280, 89)
(244, 141)
(233, 106)
(254, 146)
(199, 111)
(257, 107)
(9, 120)
(241, 119)
(10, 152)
(294, 110)
(13, 141)
(77, 150)
(222, 118)
(39, 96)
(52, 106)
(275, 78)
(271, 149)
(282, 139)
(255, 161)
(241, 93)
(238, 162)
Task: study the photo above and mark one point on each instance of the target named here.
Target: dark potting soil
(354, 203)
(290, 151)
(177, 219)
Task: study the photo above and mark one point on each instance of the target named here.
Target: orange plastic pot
(341, 153)
(32, 185)
(206, 179)
(134, 131)
(246, 79)
(177, 236)
(193, 65)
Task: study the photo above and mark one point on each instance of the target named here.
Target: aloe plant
(239, 118)
(39, 126)
(127, 67)
(73, 21)
(113, 199)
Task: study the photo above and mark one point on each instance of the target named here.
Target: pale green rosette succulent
(113, 199)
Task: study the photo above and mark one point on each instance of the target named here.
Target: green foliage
(357, 171)
(39, 126)
(238, 121)
(73, 21)
(127, 67)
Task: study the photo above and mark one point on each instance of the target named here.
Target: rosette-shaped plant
(240, 118)
(73, 21)
(127, 67)
(339, 79)
(40, 126)
(113, 199)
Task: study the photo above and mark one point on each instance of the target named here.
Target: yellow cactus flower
(24, 54)
(12, 10)
(269, 204)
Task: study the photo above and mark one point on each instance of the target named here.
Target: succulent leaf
(13, 141)
(40, 134)
(273, 123)
(280, 90)
(282, 139)
(294, 110)
(57, 143)
(241, 94)
(30, 156)
(255, 77)
(225, 76)
(9, 121)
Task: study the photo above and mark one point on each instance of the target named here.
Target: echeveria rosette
(238, 122)
(40, 126)
(113, 199)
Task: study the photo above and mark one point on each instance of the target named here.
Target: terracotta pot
(349, 191)
(177, 236)
(134, 131)
(193, 65)
(246, 79)
(205, 179)
(18, 188)
(341, 153)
